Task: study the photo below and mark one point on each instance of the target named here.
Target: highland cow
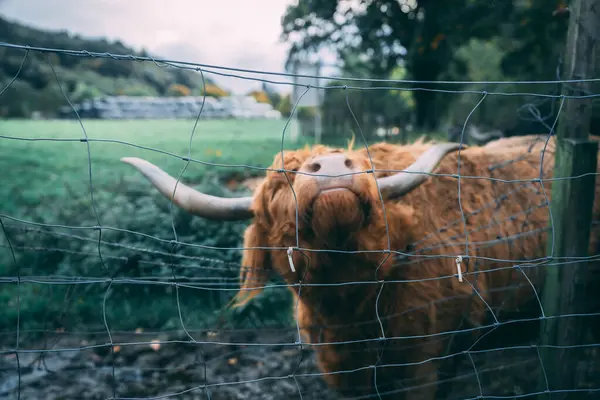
(374, 254)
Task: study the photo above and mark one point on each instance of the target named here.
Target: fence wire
(227, 360)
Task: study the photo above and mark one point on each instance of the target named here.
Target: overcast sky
(240, 34)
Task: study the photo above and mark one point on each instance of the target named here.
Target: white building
(136, 107)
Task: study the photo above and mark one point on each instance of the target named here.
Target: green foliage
(37, 87)
(425, 37)
(50, 185)
(484, 63)
(377, 108)
(22, 96)
(534, 39)
(123, 256)
(304, 112)
(84, 91)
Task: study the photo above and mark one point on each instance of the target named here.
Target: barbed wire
(290, 356)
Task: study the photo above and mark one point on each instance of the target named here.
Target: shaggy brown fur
(503, 221)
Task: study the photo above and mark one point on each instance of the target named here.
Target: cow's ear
(256, 265)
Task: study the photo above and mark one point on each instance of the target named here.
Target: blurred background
(214, 80)
(506, 41)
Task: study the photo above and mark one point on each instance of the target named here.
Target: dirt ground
(179, 368)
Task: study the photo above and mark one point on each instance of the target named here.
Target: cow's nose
(334, 170)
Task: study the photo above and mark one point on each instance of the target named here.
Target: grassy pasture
(56, 168)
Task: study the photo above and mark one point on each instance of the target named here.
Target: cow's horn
(193, 201)
(400, 184)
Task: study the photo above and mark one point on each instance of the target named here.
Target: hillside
(36, 88)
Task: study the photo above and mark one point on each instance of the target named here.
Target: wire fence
(379, 299)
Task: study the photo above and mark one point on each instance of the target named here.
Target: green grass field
(56, 170)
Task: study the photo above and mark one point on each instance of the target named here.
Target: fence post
(571, 205)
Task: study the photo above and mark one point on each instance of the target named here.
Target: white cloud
(238, 34)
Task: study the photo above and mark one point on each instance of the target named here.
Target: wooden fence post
(572, 201)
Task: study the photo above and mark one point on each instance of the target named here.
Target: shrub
(178, 90)
(126, 273)
(260, 96)
(214, 91)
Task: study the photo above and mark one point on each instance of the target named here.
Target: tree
(536, 37)
(374, 109)
(422, 35)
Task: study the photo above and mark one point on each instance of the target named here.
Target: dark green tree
(424, 35)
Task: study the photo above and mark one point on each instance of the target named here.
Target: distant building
(188, 107)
